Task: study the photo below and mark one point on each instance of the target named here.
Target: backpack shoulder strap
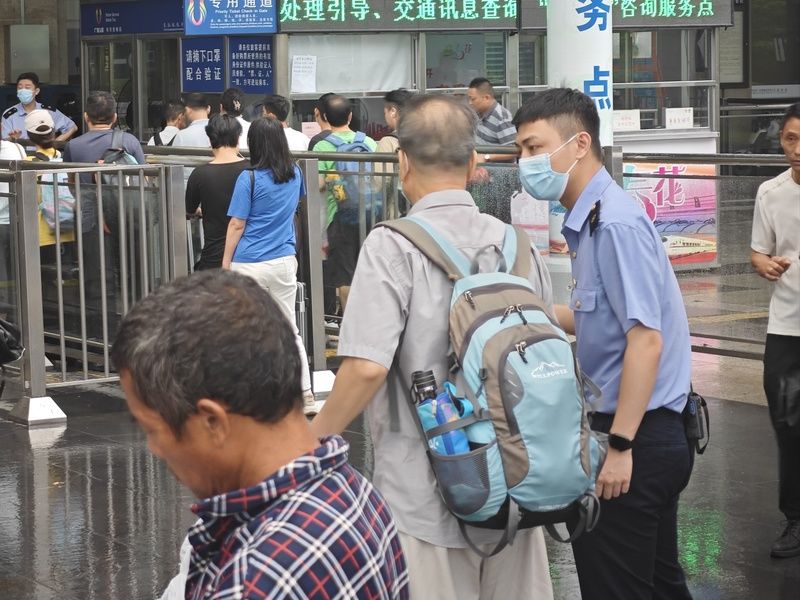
(430, 242)
(116, 140)
(252, 183)
(41, 156)
(516, 251)
(335, 140)
(157, 139)
(172, 141)
(360, 137)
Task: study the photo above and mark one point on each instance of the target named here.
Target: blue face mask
(540, 180)
(25, 96)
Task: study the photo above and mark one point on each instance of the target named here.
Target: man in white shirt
(278, 107)
(175, 121)
(775, 255)
(197, 111)
(232, 103)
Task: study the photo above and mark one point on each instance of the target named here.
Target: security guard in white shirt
(12, 125)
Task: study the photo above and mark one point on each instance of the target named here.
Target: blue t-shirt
(269, 231)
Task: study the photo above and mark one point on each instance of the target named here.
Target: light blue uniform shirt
(16, 121)
(622, 277)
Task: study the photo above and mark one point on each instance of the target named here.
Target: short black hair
(172, 110)
(567, 110)
(101, 107)
(793, 112)
(196, 100)
(320, 104)
(232, 101)
(30, 76)
(270, 150)
(483, 85)
(234, 346)
(398, 97)
(223, 131)
(278, 106)
(337, 110)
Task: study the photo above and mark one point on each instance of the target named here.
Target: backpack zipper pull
(518, 308)
(507, 313)
(470, 299)
(521, 351)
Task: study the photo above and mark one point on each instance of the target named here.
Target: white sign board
(580, 53)
(304, 74)
(762, 92)
(627, 120)
(679, 118)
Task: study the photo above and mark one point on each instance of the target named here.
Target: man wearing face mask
(632, 340)
(12, 126)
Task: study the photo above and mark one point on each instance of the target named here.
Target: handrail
(761, 160)
(751, 107)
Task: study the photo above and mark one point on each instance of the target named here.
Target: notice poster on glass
(454, 60)
(251, 64)
(684, 211)
(203, 65)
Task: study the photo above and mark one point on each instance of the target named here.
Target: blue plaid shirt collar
(220, 514)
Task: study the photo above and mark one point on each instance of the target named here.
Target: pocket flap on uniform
(583, 300)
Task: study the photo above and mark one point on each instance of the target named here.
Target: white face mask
(540, 180)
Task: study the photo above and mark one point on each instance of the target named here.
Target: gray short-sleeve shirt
(398, 294)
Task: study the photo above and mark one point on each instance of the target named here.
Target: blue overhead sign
(230, 17)
(120, 18)
(203, 65)
(250, 62)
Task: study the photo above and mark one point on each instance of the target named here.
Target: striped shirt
(316, 529)
(495, 127)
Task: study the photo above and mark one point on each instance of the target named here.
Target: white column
(580, 53)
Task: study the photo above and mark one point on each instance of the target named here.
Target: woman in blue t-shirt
(260, 241)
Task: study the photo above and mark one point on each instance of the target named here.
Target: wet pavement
(87, 513)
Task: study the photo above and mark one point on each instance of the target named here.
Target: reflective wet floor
(86, 512)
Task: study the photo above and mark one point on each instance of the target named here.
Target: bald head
(437, 132)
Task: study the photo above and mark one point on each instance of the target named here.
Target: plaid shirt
(315, 529)
(495, 127)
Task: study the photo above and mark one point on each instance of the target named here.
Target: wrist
(619, 442)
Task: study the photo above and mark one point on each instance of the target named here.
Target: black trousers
(782, 357)
(632, 554)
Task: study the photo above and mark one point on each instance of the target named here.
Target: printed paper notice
(679, 118)
(310, 129)
(304, 74)
(627, 120)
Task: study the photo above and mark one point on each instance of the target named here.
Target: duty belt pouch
(696, 422)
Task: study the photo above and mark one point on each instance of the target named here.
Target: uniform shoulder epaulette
(10, 112)
(48, 107)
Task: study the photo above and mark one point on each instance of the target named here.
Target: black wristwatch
(619, 442)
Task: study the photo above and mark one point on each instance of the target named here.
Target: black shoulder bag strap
(157, 139)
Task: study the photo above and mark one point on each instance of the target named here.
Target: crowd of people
(222, 400)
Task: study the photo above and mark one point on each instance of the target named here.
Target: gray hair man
(396, 323)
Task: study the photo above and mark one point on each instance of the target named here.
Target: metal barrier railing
(78, 275)
(69, 294)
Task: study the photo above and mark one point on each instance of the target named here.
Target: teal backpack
(520, 400)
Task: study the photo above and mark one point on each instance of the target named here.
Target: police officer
(12, 125)
(627, 312)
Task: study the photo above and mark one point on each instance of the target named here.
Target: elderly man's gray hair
(437, 131)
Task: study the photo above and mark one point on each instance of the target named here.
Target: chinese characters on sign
(396, 15)
(682, 206)
(145, 16)
(251, 64)
(203, 65)
(230, 17)
(632, 14)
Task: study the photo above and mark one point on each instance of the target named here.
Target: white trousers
(279, 278)
(519, 572)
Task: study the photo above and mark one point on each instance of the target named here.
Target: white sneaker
(309, 405)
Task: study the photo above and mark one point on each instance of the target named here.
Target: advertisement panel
(683, 209)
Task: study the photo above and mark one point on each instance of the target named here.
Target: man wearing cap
(12, 125)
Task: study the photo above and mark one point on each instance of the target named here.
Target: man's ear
(114, 120)
(403, 164)
(214, 421)
(584, 144)
(473, 164)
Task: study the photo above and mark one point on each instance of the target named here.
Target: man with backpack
(632, 340)
(344, 185)
(174, 121)
(102, 142)
(397, 323)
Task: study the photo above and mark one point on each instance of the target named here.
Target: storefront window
(532, 59)
(455, 59)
